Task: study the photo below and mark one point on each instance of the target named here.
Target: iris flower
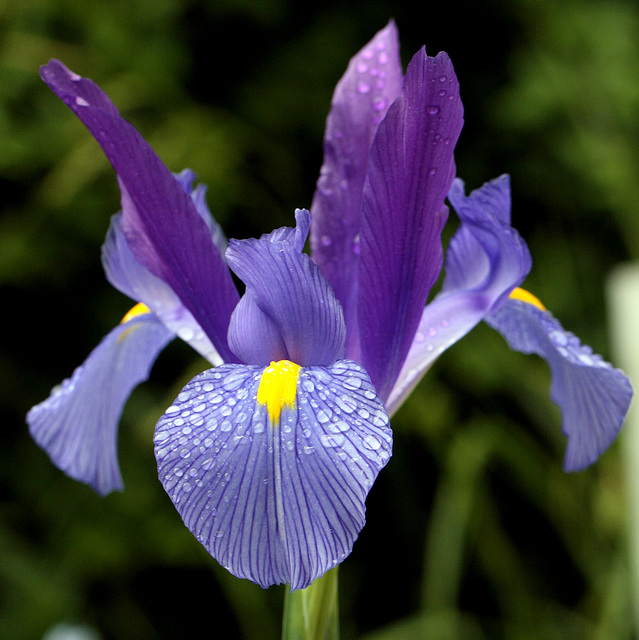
(269, 455)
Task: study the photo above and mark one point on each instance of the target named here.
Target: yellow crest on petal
(525, 296)
(139, 309)
(278, 387)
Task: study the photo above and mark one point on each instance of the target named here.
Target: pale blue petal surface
(485, 260)
(274, 503)
(593, 397)
(289, 311)
(78, 424)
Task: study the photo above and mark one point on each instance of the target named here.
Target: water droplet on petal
(81, 102)
(432, 171)
(186, 333)
(379, 104)
(332, 440)
(363, 87)
(371, 442)
(432, 109)
(356, 245)
(326, 241)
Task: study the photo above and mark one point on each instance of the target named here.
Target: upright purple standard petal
(289, 311)
(274, 503)
(593, 397)
(361, 99)
(78, 424)
(411, 168)
(485, 260)
(162, 225)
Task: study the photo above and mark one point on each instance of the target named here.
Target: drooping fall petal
(274, 502)
(78, 424)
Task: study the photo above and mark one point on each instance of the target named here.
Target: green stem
(312, 613)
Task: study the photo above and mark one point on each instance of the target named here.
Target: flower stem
(312, 613)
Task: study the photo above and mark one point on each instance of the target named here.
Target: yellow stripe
(526, 296)
(139, 309)
(278, 388)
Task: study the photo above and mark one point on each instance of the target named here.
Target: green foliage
(473, 531)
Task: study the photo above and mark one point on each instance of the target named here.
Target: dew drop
(339, 427)
(81, 102)
(380, 419)
(371, 442)
(326, 241)
(332, 440)
(586, 359)
(432, 109)
(353, 382)
(186, 333)
(432, 171)
(558, 337)
(356, 245)
(379, 104)
(363, 87)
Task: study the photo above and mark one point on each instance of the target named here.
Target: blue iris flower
(269, 456)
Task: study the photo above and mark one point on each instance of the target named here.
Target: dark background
(473, 530)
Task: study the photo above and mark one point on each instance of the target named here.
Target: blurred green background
(473, 530)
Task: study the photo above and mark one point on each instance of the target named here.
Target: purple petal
(289, 311)
(125, 273)
(78, 424)
(162, 225)
(411, 169)
(593, 397)
(485, 260)
(198, 194)
(274, 503)
(371, 83)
